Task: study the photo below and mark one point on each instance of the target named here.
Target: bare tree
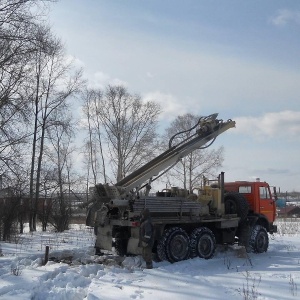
(35, 80)
(19, 21)
(121, 131)
(203, 162)
(130, 128)
(46, 189)
(52, 85)
(16, 25)
(59, 152)
(13, 203)
(8, 217)
(94, 148)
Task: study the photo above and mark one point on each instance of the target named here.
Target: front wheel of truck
(259, 239)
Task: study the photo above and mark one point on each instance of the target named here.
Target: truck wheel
(259, 239)
(174, 245)
(202, 243)
(161, 250)
(236, 203)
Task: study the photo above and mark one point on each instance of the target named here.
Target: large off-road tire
(259, 239)
(236, 203)
(202, 243)
(161, 250)
(174, 245)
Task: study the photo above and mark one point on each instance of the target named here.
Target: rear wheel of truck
(259, 239)
(174, 245)
(236, 203)
(202, 243)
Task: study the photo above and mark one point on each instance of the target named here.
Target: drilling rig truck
(186, 224)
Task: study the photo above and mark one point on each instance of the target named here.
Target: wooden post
(46, 255)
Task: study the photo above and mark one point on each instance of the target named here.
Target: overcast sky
(238, 58)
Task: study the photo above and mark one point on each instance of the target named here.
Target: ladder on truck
(207, 129)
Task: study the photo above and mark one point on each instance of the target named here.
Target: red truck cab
(259, 196)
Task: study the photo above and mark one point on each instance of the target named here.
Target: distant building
(290, 211)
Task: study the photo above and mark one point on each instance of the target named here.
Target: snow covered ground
(75, 273)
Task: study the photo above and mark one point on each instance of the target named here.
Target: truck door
(267, 204)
